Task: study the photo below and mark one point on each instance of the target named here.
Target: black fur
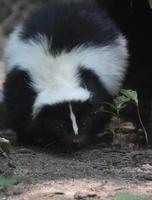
(19, 98)
(91, 81)
(70, 25)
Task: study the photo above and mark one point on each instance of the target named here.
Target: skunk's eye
(83, 124)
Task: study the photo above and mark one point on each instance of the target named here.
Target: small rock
(128, 126)
(84, 196)
(25, 151)
(10, 164)
(146, 167)
(79, 196)
(18, 191)
(148, 177)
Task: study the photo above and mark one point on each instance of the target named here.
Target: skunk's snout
(76, 142)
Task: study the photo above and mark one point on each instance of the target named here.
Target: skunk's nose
(76, 144)
(78, 141)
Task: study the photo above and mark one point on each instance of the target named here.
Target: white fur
(73, 120)
(48, 97)
(55, 78)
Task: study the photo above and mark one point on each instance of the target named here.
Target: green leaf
(106, 109)
(111, 131)
(131, 94)
(128, 196)
(120, 102)
(5, 182)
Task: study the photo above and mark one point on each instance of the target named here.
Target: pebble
(25, 151)
(18, 191)
(11, 165)
(148, 177)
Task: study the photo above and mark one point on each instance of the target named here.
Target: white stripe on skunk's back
(56, 73)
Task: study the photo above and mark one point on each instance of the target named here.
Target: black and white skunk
(62, 63)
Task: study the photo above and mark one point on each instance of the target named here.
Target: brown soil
(94, 173)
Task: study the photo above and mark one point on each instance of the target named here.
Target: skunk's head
(65, 124)
(75, 57)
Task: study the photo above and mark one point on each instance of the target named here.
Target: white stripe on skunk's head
(74, 121)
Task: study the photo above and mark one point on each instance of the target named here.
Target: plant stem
(119, 131)
(140, 120)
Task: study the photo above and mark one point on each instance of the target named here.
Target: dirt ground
(90, 174)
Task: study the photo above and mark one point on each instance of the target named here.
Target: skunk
(62, 64)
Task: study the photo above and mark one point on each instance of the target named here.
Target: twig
(140, 120)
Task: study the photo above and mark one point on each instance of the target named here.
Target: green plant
(4, 147)
(128, 196)
(133, 97)
(111, 131)
(116, 108)
(6, 182)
